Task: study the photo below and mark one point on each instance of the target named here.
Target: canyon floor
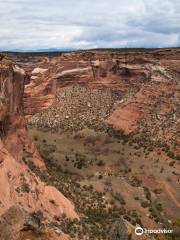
(103, 139)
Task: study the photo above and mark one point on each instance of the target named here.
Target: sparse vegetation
(94, 106)
(145, 204)
(25, 187)
(96, 205)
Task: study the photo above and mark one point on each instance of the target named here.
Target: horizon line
(59, 50)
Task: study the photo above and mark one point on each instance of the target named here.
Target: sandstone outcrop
(147, 84)
(17, 224)
(19, 186)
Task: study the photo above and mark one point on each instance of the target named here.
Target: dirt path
(171, 194)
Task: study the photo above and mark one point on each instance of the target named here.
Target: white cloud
(32, 24)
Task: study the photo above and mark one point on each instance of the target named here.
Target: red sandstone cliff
(147, 83)
(19, 186)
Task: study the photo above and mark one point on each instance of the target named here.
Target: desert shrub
(177, 222)
(18, 190)
(46, 151)
(25, 187)
(145, 204)
(158, 206)
(162, 170)
(126, 217)
(147, 193)
(117, 196)
(157, 190)
(153, 212)
(36, 138)
(66, 158)
(80, 161)
(133, 213)
(119, 134)
(171, 164)
(170, 154)
(135, 182)
(100, 163)
(37, 217)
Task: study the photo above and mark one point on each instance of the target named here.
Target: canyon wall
(20, 188)
(147, 84)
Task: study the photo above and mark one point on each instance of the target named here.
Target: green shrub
(157, 190)
(147, 193)
(177, 222)
(36, 138)
(159, 206)
(100, 163)
(171, 154)
(25, 187)
(145, 204)
(171, 164)
(100, 177)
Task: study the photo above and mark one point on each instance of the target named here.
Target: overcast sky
(81, 24)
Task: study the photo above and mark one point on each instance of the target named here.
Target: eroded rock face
(146, 82)
(17, 224)
(11, 106)
(146, 107)
(18, 184)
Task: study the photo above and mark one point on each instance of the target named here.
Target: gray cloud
(32, 24)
